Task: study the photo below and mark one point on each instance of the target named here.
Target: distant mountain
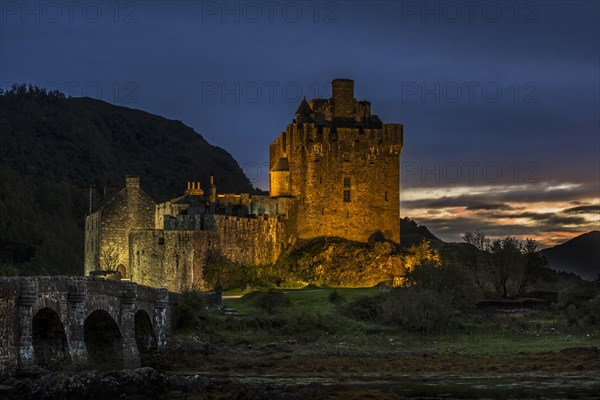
(52, 148)
(580, 255)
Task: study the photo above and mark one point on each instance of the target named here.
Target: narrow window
(346, 196)
(322, 210)
(347, 182)
(346, 157)
(385, 196)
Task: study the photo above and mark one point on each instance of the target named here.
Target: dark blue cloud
(408, 58)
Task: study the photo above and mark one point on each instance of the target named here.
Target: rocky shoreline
(143, 383)
(193, 369)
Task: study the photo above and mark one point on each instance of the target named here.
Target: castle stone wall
(92, 242)
(175, 258)
(9, 331)
(130, 208)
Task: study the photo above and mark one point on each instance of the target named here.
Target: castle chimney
(343, 98)
(132, 182)
(91, 198)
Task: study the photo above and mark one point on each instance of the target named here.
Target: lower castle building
(335, 171)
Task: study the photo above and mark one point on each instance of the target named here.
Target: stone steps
(230, 312)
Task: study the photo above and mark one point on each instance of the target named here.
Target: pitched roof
(304, 108)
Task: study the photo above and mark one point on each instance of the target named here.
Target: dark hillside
(53, 148)
(580, 255)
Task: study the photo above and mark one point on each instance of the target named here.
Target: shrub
(417, 310)
(191, 310)
(580, 302)
(312, 324)
(334, 297)
(229, 274)
(271, 301)
(452, 281)
(366, 308)
(578, 294)
(8, 270)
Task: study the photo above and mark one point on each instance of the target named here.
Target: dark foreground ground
(310, 350)
(288, 371)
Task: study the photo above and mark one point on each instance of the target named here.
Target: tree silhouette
(508, 265)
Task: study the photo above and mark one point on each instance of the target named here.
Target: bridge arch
(50, 344)
(103, 340)
(145, 336)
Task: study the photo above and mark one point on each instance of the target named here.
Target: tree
(109, 260)
(506, 256)
(515, 265)
(508, 265)
(475, 256)
(415, 256)
(533, 266)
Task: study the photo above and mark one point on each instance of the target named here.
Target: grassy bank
(321, 320)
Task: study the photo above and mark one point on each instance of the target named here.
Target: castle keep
(335, 171)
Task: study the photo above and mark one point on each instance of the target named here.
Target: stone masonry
(79, 322)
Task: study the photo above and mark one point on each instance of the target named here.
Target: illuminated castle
(335, 171)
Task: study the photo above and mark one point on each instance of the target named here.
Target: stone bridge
(79, 322)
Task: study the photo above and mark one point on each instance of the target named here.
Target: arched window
(122, 270)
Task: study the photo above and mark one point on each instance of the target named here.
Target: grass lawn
(494, 336)
(311, 298)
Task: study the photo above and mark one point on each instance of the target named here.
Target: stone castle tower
(342, 165)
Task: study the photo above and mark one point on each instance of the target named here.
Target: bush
(452, 281)
(334, 297)
(580, 302)
(8, 270)
(191, 311)
(417, 310)
(366, 308)
(230, 275)
(311, 324)
(271, 301)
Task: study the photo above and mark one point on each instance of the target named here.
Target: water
(558, 386)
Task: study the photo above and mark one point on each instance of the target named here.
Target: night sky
(499, 99)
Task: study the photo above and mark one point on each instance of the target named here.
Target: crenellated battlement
(306, 134)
